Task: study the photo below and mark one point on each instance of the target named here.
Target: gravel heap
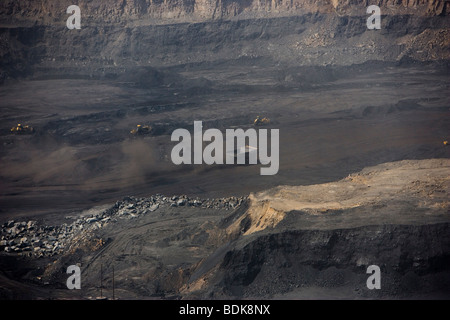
(28, 238)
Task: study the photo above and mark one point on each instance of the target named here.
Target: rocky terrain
(280, 243)
(118, 36)
(26, 238)
(363, 118)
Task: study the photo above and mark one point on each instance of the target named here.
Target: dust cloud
(81, 167)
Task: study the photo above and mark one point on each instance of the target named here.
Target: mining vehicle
(261, 121)
(20, 129)
(141, 130)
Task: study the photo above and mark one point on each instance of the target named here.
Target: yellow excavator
(261, 121)
(20, 129)
(140, 130)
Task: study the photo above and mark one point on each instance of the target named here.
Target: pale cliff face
(126, 33)
(173, 11)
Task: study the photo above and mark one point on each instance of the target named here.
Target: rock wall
(170, 11)
(409, 257)
(117, 35)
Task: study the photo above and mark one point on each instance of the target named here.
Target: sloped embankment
(317, 241)
(288, 242)
(414, 260)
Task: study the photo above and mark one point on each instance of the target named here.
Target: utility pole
(101, 281)
(114, 298)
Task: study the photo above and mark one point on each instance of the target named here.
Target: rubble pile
(27, 238)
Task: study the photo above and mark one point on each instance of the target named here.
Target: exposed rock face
(291, 238)
(308, 232)
(409, 256)
(374, 188)
(117, 35)
(161, 12)
(391, 6)
(184, 247)
(28, 239)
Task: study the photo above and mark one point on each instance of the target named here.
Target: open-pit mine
(89, 101)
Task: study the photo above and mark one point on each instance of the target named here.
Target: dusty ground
(333, 122)
(345, 99)
(316, 241)
(283, 243)
(82, 153)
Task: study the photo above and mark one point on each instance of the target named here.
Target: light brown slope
(424, 184)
